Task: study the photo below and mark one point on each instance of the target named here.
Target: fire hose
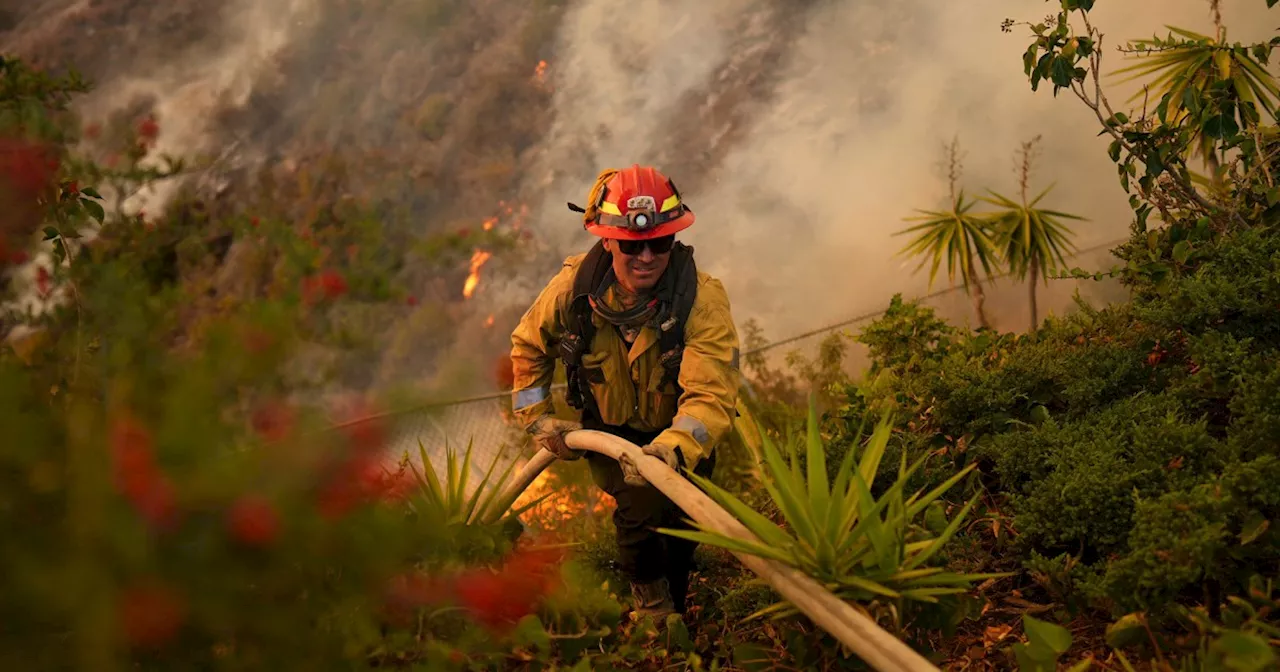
(841, 620)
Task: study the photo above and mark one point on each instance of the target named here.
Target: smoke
(798, 217)
(802, 132)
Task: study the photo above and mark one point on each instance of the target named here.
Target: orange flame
(540, 72)
(473, 280)
(489, 322)
(563, 503)
(489, 223)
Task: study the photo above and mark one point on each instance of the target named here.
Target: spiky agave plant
(860, 547)
(446, 500)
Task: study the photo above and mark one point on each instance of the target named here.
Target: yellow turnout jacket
(632, 393)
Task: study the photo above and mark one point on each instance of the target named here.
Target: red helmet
(636, 203)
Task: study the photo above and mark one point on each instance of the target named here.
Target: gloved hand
(631, 474)
(548, 432)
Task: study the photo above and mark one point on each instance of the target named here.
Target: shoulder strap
(579, 328)
(684, 290)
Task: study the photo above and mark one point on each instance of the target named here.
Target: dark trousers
(645, 554)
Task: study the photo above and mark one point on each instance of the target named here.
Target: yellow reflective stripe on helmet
(671, 202)
(610, 209)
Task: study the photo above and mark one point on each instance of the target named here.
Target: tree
(957, 236)
(1031, 240)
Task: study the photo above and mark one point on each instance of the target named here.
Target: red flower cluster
(500, 599)
(149, 614)
(138, 477)
(360, 476)
(253, 521)
(27, 168)
(42, 281)
(327, 284)
(497, 599)
(28, 172)
(148, 130)
(274, 420)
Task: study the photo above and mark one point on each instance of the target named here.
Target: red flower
(327, 284)
(131, 452)
(397, 486)
(253, 521)
(464, 232)
(253, 221)
(72, 188)
(500, 599)
(150, 614)
(362, 478)
(366, 436)
(42, 281)
(93, 131)
(337, 498)
(27, 168)
(274, 421)
(137, 476)
(157, 503)
(148, 129)
(412, 300)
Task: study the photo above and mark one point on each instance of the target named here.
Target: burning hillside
(428, 113)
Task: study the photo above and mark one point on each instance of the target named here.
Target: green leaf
(1253, 528)
(677, 634)
(768, 531)
(1181, 251)
(1220, 127)
(1127, 631)
(1244, 652)
(752, 658)
(1273, 195)
(816, 454)
(50, 233)
(530, 632)
(731, 543)
(1051, 635)
(91, 192)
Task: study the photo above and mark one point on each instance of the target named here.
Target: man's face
(639, 268)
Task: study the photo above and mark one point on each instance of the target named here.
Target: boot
(653, 600)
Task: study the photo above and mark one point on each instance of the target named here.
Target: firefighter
(650, 354)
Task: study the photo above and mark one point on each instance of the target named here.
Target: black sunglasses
(661, 245)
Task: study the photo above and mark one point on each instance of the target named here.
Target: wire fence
(486, 421)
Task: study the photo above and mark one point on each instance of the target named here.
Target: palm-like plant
(1033, 241)
(1218, 87)
(445, 500)
(958, 237)
(860, 547)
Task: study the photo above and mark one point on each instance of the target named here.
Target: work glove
(631, 473)
(548, 432)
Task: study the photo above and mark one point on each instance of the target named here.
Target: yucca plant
(1216, 87)
(957, 236)
(860, 547)
(1033, 241)
(447, 501)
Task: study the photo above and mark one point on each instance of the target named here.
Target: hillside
(449, 114)
(249, 268)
